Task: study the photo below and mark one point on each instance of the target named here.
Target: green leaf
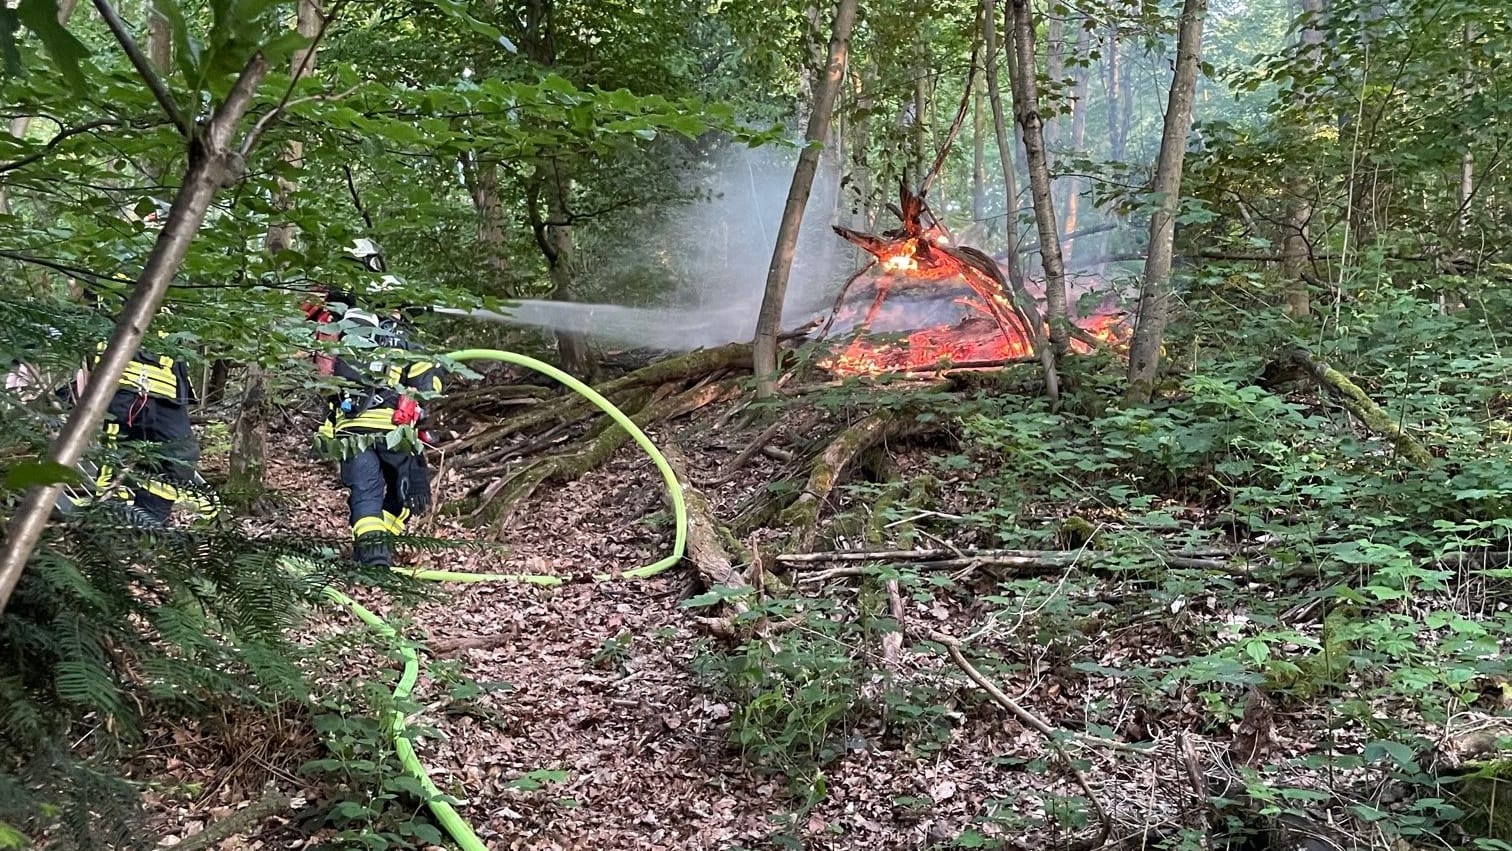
(41, 17)
(714, 596)
(31, 473)
(1399, 753)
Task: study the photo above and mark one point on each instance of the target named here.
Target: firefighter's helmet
(365, 251)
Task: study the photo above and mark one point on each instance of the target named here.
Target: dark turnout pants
(385, 488)
(167, 464)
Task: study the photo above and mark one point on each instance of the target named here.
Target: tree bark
(1114, 91)
(248, 464)
(1072, 185)
(1295, 240)
(1026, 111)
(482, 179)
(1010, 183)
(554, 177)
(978, 157)
(1149, 331)
(212, 164)
(769, 320)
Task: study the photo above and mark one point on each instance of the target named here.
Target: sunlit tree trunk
(769, 320)
(1005, 155)
(1154, 294)
(1026, 109)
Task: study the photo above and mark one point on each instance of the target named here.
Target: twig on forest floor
(732, 469)
(1052, 736)
(892, 642)
(1199, 786)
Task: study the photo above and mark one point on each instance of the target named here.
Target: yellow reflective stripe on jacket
(152, 379)
(395, 522)
(373, 418)
(368, 526)
(156, 379)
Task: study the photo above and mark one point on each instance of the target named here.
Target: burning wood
(924, 303)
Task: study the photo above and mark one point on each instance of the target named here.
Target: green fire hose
(447, 815)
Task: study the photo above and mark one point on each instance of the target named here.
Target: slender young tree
(214, 161)
(248, 464)
(1154, 293)
(769, 320)
(1026, 110)
(1010, 192)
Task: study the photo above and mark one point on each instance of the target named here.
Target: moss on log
(830, 466)
(1362, 407)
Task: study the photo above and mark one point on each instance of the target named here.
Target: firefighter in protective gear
(151, 406)
(373, 424)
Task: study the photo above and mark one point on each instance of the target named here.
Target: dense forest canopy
(1080, 425)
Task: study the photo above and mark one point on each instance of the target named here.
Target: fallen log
(1361, 406)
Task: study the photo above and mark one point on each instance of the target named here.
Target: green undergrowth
(1363, 602)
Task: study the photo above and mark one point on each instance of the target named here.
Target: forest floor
(605, 723)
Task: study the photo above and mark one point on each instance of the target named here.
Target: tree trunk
(1144, 351)
(919, 135)
(1114, 90)
(978, 157)
(572, 347)
(1072, 185)
(1026, 112)
(769, 320)
(1005, 155)
(481, 177)
(245, 479)
(159, 41)
(1295, 239)
(862, 208)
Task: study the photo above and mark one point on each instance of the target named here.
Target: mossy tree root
(831, 464)
(601, 445)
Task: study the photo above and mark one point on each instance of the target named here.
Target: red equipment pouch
(407, 412)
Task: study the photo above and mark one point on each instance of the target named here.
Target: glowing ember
(900, 263)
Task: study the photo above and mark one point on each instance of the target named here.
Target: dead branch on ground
(1034, 722)
(1361, 406)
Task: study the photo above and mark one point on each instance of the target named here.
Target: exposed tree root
(713, 550)
(567, 466)
(802, 516)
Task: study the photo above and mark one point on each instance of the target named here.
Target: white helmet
(365, 251)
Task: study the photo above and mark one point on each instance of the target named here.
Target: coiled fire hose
(446, 815)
